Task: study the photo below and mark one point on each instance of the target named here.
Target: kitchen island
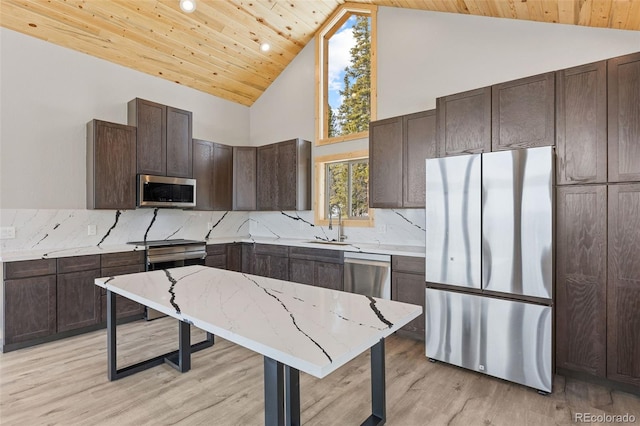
(296, 327)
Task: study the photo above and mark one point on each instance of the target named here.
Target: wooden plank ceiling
(216, 49)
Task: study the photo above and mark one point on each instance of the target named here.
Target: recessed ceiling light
(265, 47)
(188, 5)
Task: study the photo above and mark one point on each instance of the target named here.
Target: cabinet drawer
(272, 250)
(29, 268)
(215, 249)
(414, 265)
(78, 263)
(320, 255)
(121, 259)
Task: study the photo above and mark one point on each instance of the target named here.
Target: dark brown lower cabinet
(234, 257)
(216, 256)
(120, 264)
(581, 279)
(272, 266)
(29, 308)
(408, 285)
(623, 291)
(78, 300)
(321, 274)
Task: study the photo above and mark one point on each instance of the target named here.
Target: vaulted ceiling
(216, 49)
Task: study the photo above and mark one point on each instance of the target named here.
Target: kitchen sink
(332, 242)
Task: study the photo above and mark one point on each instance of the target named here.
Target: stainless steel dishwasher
(368, 274)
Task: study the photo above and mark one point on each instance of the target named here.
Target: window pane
(359, 189)
(349, 77)
(337, 182)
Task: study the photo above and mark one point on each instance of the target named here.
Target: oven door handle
(169, 257)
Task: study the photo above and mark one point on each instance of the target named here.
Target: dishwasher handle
(381, 264)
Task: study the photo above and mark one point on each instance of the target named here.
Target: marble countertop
(18, 255)
(312, 329)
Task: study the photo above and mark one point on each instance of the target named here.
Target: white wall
(424, 55)
(287, 108)
(49, 93)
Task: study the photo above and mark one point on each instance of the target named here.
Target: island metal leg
(281, 394)
(180, 359)
(282, 391)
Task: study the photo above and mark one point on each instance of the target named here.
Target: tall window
(346, 79)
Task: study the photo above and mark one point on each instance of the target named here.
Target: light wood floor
(65, 383)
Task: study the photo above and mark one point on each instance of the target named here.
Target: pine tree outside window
(346, 92)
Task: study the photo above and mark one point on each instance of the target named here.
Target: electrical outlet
(382, 229)
(7, 233)
(92, 229)
(209, 226)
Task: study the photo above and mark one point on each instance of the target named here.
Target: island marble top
(312, 329)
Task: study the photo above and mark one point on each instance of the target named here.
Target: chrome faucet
(341, 236)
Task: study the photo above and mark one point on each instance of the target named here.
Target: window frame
(349, 163)
(331, 26)
(319, 202)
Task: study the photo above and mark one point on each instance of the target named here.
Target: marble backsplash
(51, 230)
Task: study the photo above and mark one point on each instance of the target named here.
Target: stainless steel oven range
(165, 254)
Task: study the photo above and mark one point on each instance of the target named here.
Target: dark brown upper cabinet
(464, 123)
(624, 124)
(523, 113)
(164, 146)
(419, 143)
(244, 178)
(284, 176)
(623, 290)
(581, 124)
(111, 165)
(213, 171)
(398, 148)
(385, 163)
(581, 279)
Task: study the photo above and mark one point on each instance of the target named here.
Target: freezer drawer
(502, 338)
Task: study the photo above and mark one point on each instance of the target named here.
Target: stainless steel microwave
(163, 191)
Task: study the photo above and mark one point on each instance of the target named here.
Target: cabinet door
(301, 271)
(29, 308)
(623, 290)
(329, 275)
(523, 113)
(464, 123)
(222, 184)
(624, 124)
(244, 178)
(203, 173)
(581, 124)
(385, 163)
(179, 144)
(234, 257)
(279, 268)
(410, 288)
(111, 166)
(150, 119)
(267, 164)
(286, 175)
(419, 143)
(581, 279)
(79, 300)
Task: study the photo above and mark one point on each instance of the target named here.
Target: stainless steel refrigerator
(489, 263)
